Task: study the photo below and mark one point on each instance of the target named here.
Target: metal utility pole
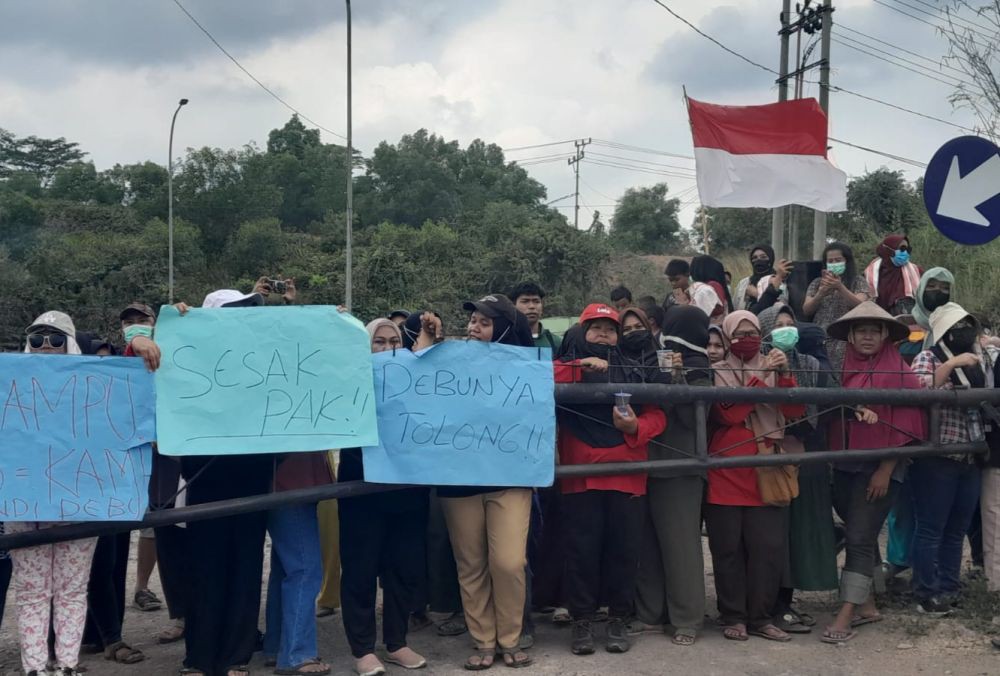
(819, 220)
(575, 163)
(778, 213)
(348, 294)
(170, 203)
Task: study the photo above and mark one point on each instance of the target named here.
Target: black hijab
(812, 342)
(706, 269)
(685, 330)
(769, 250)
(593, 424)
(643, 356)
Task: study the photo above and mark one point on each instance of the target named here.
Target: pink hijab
(765, 420)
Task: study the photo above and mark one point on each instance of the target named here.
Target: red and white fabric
(765, 156)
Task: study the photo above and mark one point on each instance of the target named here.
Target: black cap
(138, 308)
(493, 306)
(398, 313)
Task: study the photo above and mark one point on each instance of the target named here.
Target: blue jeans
(294, 583)
(945, 495)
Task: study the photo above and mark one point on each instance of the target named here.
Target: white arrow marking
(961, 196)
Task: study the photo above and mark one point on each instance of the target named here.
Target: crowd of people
(622, 551)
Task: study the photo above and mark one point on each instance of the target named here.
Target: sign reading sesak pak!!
(263, 380)
(464, 413)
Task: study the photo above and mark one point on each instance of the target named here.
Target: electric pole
(778, 213)
(819, 219)
(575, 163)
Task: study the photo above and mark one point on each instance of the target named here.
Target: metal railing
(701, 398)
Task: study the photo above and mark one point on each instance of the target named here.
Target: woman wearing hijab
(384, 537)
(603, 515)
(716, 348)
(893, 277)
(489, 525)
(946, 488)
(863, 491)
(50, 581)
(762, 262)
(709, 290)
(936, 289)
(837, 291)
(671, 584)
(812, 554)
(745, 535)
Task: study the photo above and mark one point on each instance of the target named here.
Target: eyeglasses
(54, 340)
(745, 334)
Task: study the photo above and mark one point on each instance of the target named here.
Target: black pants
(106, 590)
(171, 557)
(379, 544)
(602, 531)
(549, 561)
(225, 564)
(748, 554)
(6, 568)
(441, 591)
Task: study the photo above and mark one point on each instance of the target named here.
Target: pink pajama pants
(50, 576)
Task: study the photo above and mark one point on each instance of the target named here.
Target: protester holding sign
(50, 581)
(489, 526)
(747, 535)
(383, 536)
(603, 515)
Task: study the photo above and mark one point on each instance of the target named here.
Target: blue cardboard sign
(75, 437)
(263, 380)
(962, 190)
(464, 413)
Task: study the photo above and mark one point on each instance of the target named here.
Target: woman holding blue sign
(489, 525)
(50, 581)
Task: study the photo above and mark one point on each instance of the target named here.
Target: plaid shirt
(956, 423)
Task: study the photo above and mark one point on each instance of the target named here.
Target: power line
(937, 15)
(711, 39)
(954, 15)
(537, 145)
(557, 156)
(608, 197)
(251, 75)
(640, 149)
(888, 59)
(937, 63)
(638, 161)
(898, 158)
(917, 18)
(645, 170)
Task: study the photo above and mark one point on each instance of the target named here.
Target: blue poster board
(464, 413)
(263, 380)
(75, 436)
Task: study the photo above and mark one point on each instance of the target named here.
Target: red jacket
(652, 421)
(738, 486)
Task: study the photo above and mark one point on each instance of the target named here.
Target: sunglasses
(54, 340)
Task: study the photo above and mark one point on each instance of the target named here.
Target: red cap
(599, 311)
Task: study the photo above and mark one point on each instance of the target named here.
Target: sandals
(171, 634)
(862, 620)
(515, 658)
(453, 626)
(683, 638)
(771, 633)
(147, 601)
(240, 669)
(736, 632)
(792, 623)
(836, 637)
(481, 661)
(301, 670)
(325, 611)
(122, 653)
(419, 621)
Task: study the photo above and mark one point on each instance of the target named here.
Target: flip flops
(862, 620)
(836, 637)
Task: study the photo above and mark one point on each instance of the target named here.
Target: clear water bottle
(975, 425)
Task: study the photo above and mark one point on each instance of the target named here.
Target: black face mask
(761, 267)
(598, 350)
(935, 299)
(636, 342)
(961, 340)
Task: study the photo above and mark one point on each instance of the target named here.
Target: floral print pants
(50, 577)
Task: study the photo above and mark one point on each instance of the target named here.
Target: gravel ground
(903, 644)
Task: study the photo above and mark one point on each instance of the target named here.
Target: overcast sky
(108, 74)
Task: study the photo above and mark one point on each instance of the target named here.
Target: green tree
(255, 249)
(144, 188)
(80, 182)
(733, 229)
(646, 221)
(41, 157)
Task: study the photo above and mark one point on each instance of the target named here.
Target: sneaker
(583, 638)
(617, 637)
(146, 600)
(934, 607)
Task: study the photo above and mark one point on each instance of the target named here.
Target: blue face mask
(901, 258)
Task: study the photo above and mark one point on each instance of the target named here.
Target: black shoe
(583, 638)
(934, 607)
(617, 636)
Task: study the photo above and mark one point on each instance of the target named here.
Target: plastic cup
(621, 402)
(665, 358)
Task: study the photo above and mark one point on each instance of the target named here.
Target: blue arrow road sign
(962, 190)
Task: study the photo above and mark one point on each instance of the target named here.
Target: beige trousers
(489, 535)
(989, 505)
(329, 542)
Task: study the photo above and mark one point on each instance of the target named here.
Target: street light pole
(170, 203)
(348, 296)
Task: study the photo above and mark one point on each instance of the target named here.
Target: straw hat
(868, 312)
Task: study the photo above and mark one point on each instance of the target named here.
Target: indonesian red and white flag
(765, 156)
